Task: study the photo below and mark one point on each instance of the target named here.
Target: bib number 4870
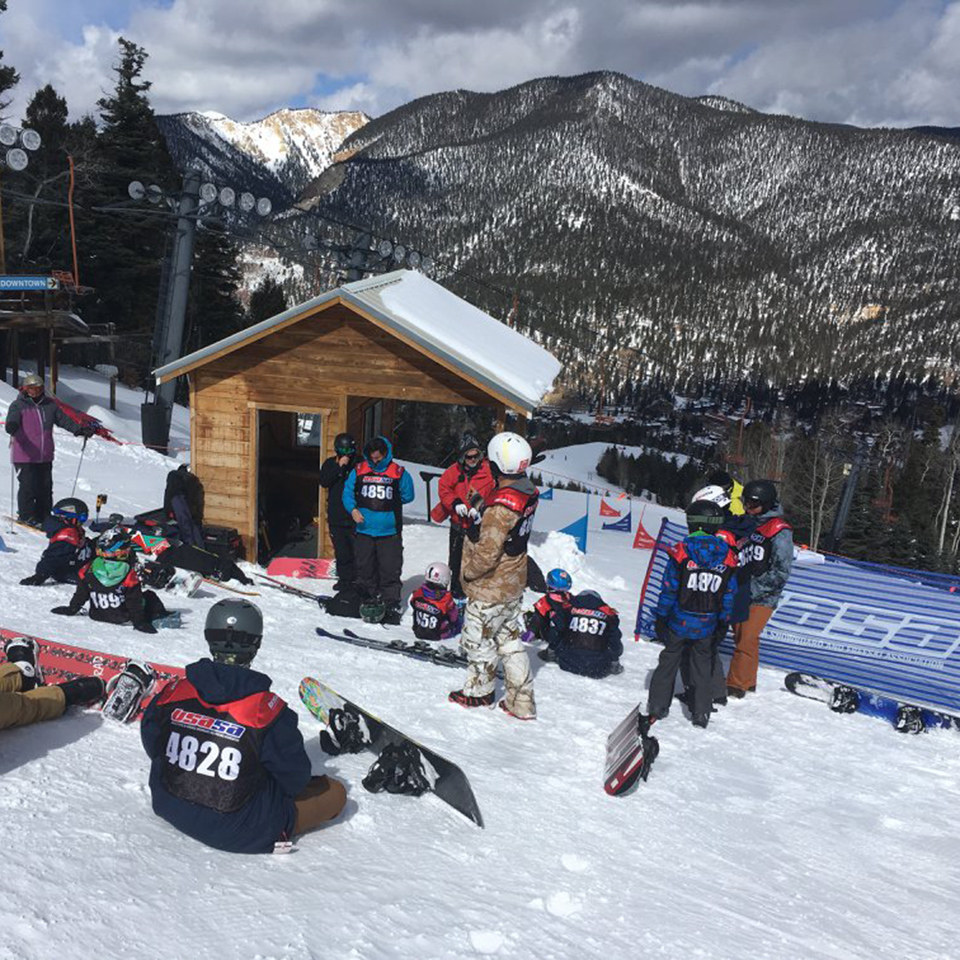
(203, 756)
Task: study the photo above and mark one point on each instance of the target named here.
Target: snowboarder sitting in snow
(112, 587)
(698, 591)
(68, 549)
(228, 766)
(585, 638)
(436, 615)
(23, 697)
(555, 601)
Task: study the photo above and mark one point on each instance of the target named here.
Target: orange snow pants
(18, 709)
(319, 801)
(746, 652)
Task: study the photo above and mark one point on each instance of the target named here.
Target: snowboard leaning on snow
(630, 754)
(843, 698)
(451, 784)
(60, 661)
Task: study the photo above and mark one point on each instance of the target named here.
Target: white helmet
(713, 494)
(439, 574)
(510, 452)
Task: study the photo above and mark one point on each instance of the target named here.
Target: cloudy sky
(868, 62)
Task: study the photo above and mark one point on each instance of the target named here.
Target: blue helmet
(559, 579)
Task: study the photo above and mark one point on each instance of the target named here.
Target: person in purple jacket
(30, 422)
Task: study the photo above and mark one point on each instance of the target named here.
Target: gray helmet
(233, 631)
(31, 380)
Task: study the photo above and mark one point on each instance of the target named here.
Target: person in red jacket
(463, 488)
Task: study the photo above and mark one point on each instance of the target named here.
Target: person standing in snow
(30, 422)
(374, 494)
(228, 766)
(494, 576)
(463, 489)
(333, 476)
(769, 558)
(698, 593)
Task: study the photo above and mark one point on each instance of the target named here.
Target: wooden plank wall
(317, 363)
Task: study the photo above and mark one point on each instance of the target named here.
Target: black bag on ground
(346, 603)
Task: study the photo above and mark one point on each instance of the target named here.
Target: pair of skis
(418, 650)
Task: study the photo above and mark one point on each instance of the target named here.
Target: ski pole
(83, 450)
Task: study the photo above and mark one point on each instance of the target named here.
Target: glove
(64, 611)
(528, 636)
(33, 581)
(145, 627)
(461, 509)
(528, 619)
(474, 515)
(660, 629)
(86, 431)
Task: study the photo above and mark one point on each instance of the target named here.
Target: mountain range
(642, 234)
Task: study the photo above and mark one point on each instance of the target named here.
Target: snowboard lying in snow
(317, 569)
(630, 754)
(842, 698)
(450, 783)
(60, 661)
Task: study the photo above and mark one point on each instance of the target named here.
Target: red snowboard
(59, 662)
(302, 567)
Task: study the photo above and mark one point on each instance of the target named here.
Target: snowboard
(630, 754)
(60, 661)
(905, 717)
(317, 569)
(450, 785)
(418, 650)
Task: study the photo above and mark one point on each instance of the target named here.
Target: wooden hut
(267, 402)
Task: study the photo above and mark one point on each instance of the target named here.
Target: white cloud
(861, 61)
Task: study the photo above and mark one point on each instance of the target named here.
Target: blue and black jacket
(379, 492)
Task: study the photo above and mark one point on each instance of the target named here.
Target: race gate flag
(546, 493)
(578, 529)
(606, 510)
(624, 524)
(894, 632)
(642, 540)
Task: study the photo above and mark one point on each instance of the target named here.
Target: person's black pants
(664, 677)
(455, 559)
(34, 491)
(343, 551)
(379, 565)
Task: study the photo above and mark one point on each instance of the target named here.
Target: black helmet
(720, 478)
(588, 598)
(761, 492)
(345, 445)
(233, 631)
(71, 509)
(705, 516)
(114, 544)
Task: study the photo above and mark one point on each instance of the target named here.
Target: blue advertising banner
(29, 283)
(885, 629)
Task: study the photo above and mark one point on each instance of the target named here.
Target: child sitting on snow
(111, 585)
(555, 601)
(68, 549)
(585, 638)
(436, 615)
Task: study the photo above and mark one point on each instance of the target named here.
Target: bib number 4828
(203, 756)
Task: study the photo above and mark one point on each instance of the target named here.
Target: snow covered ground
(781, 831)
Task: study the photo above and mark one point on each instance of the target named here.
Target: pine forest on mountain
(661, 246)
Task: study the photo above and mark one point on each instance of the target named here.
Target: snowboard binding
(909, 720)
(844, 700)
(346, 732)
(398, 769)
(127, 691)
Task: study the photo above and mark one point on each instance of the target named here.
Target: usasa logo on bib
(215, 725)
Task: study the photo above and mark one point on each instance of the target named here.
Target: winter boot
(516, 716)
(465, 700)
(392, 614)
(83, 690)
(547, 655)
(24, 652)
(700, 720)
(736, 693)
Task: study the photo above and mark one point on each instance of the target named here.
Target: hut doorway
(288, 456)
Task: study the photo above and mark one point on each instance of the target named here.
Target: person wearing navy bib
(228, 766)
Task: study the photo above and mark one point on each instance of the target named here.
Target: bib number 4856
(203, 756)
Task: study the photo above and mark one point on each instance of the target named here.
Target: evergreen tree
(213, 310)
(8, 75)
(266, 301)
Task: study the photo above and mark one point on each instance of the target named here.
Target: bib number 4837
(203, 756)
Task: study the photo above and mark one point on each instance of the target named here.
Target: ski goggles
(69, 515)
(115, 551)
(347, 449)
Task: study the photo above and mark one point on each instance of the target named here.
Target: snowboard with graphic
(843, 698)
(630, 754)
(312, 568)
(60, 661)
(450, 783)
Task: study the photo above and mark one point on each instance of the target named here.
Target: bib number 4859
(203, 756)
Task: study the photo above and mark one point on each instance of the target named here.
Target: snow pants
(320, 800)
(34, 490)
(718, 676)
(379, 563)
(343, 549)
(491, 632)
(455, 559)
(746, 654)
(19, 709)
(664, 677)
